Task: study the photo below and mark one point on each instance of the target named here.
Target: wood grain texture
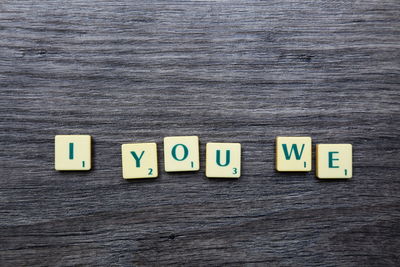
(229, 71)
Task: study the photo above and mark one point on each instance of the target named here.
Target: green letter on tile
(293, 149)
(71, 150)
(228, 158)
(331, 159)
(137, 159)
(185, 152)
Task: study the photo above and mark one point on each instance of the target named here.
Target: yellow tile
(139, 161)
(181, 153)
(334, 161)
(223, 160)
(72, 152)
(293, 154)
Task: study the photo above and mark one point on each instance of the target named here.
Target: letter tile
(293, 154)
(334, 161)
(139, 161)
(223, 160)
(181, 153)
(72, 152)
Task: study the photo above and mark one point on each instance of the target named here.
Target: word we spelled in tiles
(334, 161)
(223, 160)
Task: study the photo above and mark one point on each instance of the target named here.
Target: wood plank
(227, 71)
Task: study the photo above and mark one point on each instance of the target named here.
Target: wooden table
(226, 71)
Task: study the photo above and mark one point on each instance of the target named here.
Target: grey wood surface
(229, 71)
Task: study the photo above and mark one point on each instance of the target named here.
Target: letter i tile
(72, 152)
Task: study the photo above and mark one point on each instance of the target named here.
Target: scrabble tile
(334, 161)
(139, 161)
(223, 160)
(72, 152)
(293, 154)
(181, 153)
